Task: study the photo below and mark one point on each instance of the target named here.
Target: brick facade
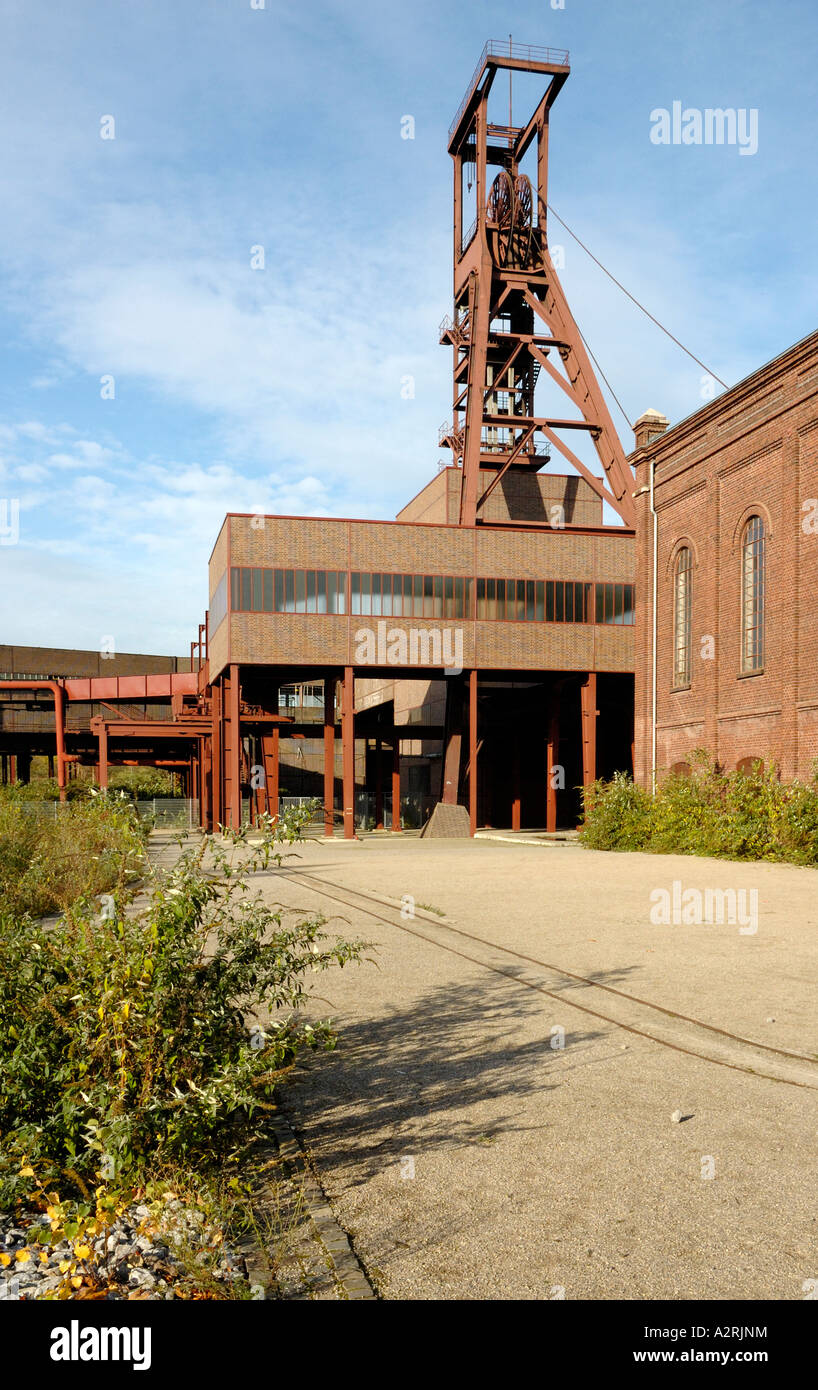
(321, 640)
(752, 451)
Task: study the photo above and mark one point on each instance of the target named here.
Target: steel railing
(501, 48)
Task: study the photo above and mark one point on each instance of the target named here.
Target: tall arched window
(682, 599)
(752, 595)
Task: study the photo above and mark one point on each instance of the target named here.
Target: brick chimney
(649, 427)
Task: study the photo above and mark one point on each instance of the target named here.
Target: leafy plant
(125, 1037)
(728, 815)
(48, 861)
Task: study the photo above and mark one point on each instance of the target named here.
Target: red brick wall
(304, 640)
(755, 449)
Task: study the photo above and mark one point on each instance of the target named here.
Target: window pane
(235, 590)
(417, 601)
(366, 593)
(529, 600)
(539, 601)
(278, 591)
(342, 592)
(628, 615)
(267, 590)
(300, 592)
(321, 591)
(619, 603)
(438, 596)
(246, 593)
(289, 591)
(448, 597)
(376, 595)
(459, 598)
(559, 601)
(501, 598)
(568, 591)
(753, 586)
(549, 600)
(408, 603)
(600, 603)
(356, 593)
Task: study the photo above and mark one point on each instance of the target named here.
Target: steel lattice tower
(511, 318)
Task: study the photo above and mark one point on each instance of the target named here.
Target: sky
(155, 375)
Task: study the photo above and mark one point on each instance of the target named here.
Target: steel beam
(589, 714)
(473, 751)
(396, 783)
(348, 750)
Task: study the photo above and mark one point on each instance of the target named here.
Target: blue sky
(281, 388)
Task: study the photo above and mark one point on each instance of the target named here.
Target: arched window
(682, 597)
(752, 595)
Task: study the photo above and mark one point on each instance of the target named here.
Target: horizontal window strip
(432, 596)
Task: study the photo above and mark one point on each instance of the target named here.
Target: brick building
(733, 635)
(478, 654)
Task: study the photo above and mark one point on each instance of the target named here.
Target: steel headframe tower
(511, 317)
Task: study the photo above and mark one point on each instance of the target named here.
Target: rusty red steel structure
(511, 318)
(511, 325)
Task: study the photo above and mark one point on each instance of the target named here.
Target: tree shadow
(414, 1073)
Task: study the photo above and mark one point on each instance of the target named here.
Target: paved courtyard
(497, 1119)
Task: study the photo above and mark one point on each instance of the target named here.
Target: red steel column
(272, 793)
(329, 753)
(216, 803)
(395, 781)
(472, 751)
(59, 729)
(515, 780)
(348, 744)
(378, 785)
(232, 770)
(103, 756)
(551, 760)
(589, 713)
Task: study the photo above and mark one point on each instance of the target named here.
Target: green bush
(124, 1039)
(735, 815)
(52, 856)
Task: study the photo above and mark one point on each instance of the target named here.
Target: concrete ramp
(447, 823)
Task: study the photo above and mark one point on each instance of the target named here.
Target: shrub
(735, 815)
(616, 814)
(124, 1039)
(49, 861)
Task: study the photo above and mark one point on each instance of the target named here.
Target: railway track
(604, 1002)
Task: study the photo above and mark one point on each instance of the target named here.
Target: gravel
(126, 1261)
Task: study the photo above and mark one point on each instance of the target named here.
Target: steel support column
(348, 748)
(453, 741)
(552, 761)
(102, 735)
(378, 784)
(232, 749)
(216, 803)
(270, 754)
(472, 751)
(589, 714)
(395, 781)
(329, 754)
(516, 816)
